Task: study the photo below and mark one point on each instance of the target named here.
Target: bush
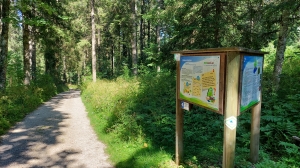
(18, 101)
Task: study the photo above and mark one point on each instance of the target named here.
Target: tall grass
(112, 110)
(136, 119)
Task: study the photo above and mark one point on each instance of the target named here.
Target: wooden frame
(229, 101)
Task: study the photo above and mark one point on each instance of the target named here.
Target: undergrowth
(112, 107)
(135, 117)
(17, 101)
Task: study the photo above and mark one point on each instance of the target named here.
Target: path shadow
(41, 127)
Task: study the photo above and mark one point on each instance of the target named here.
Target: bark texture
(217, 23)
(93, 41)
(26, 55)
(142, 34)
(4, 42)
(133, 38)
(281, 46)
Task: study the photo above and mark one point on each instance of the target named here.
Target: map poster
(199, 80)
(251, 81)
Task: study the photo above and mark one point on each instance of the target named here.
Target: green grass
(107, 102)
(136, 119)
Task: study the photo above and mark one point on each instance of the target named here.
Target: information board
(251, 81)
(199, 80)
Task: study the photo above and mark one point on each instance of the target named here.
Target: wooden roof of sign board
(212, 50)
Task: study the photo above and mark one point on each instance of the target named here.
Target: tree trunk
(32, 48)
(217, 23)
(0, 18)
(142, 34)
(50, 63)
(33, 60)
(78, 77)
(26, 54)
(149, 33)
(85, 60)
(133, 38)
(112, 61)
(93, 41)
(281, 46)
(98, 49)
(4, 42)
(124, 47)
(158, 45)
(99, 38)
(158, 29)
(119, 63)
(64, 69)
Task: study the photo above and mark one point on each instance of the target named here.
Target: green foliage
(153, 56)
(142, 110)
(126, 72)
(124, 115)
(14, 69)
(280, 112)
(18, 101)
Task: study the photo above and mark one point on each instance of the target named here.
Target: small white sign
(177, 57)
(231, 122)
(185, 105)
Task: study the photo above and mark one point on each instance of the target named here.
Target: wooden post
(255, 132)
(179, 119)
(231, 105)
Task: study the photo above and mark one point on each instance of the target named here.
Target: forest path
(57, 134)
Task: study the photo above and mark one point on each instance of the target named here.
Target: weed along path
(57, 134)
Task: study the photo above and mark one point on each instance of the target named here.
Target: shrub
(19, 100)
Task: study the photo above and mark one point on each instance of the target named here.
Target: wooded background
(71, 39)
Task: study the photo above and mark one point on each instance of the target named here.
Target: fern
(290, 149)
(271, 118)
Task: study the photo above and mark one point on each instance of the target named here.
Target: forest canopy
(71, 39)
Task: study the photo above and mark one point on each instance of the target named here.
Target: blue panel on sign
(182, 104)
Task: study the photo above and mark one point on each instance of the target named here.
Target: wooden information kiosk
(223, 80)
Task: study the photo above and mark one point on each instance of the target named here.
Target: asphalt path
(57, 134)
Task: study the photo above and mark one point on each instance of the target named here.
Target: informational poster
(251, 81)
(199, 80)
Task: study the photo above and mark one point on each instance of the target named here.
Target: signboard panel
(251, 81)
(200, 80)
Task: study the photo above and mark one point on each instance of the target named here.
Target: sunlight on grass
(108, 103)
(136, 119)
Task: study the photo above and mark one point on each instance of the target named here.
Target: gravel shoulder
(57, 134)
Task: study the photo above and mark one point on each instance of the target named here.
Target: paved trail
(57, 134)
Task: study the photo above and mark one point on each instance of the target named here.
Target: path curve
(57, 134)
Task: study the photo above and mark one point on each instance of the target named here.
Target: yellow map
(187, 88)
(196, 89)
(209, 80)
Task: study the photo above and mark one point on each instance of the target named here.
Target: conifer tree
(5, 7)
(93, 40)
